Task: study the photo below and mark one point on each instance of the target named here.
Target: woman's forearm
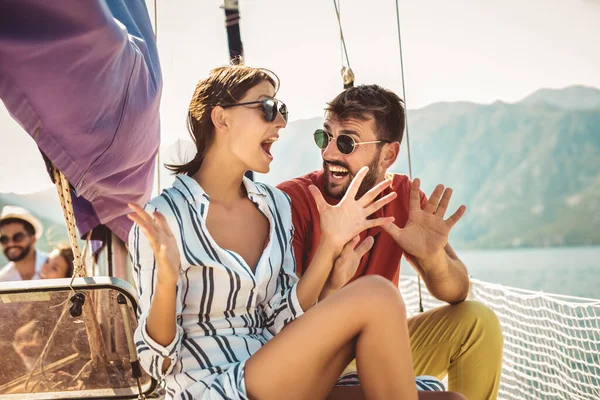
(312, 282)
(161, 321)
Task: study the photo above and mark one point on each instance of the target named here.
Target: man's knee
(482, 318)
(480, 313)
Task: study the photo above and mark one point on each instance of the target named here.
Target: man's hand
(426, 232)
(342, 222)
(346, 264)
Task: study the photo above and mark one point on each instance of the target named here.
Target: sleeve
(423, 200)
(404, 192)
(150, 353)
(299, 223)
(284, 306)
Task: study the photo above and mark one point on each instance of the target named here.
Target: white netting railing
(551, 342)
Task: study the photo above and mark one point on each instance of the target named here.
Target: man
(19, 232)
(364, 127)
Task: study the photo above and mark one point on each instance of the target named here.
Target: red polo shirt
(384, 257)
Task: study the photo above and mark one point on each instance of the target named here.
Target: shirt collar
(193, 192)
(190, 189)
(252, 187)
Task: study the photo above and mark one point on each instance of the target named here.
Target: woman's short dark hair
(224, 85)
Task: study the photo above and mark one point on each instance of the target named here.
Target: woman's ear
(390, 154)
(217, 116)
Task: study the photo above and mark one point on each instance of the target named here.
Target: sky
(461, 50)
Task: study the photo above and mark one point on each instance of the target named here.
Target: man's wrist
(435, 261)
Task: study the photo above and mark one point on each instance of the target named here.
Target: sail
(83, 80)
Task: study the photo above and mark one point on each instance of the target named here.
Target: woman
(59, 263)
(216, 274)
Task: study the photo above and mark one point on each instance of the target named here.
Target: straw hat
(14, 212)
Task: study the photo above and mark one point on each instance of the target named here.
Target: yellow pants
(464, 341)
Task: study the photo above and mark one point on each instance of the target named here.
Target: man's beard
(368, 182)
(24, 252)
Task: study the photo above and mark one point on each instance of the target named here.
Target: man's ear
(217, 115)
(390, 154)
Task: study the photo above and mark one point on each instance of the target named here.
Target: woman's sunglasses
(270, 108)
(345, 143)
(16, 238)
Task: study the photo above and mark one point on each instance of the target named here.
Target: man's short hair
(26, 225)
(366, 101)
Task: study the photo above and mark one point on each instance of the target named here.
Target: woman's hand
(162, 241)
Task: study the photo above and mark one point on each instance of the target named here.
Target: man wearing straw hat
(19, 232)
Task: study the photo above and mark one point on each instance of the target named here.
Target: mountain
(528, 172)
(570, 98)
(49, 198)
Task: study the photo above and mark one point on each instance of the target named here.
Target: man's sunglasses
(345, 143)
(16, 238)
(270, 108)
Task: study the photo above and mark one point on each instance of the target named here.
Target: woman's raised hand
(162, 241)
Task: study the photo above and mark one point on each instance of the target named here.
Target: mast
(234, 39)
(232, 24)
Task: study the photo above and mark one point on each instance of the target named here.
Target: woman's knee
(378, 293)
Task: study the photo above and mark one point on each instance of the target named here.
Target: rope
(98, 353)
(337, 12)
(42, 356)
(347, 74)
(64, 194)
(551, 342)
(403, 90)
(406, 119)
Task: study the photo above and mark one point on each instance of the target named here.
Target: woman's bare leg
(366, 319)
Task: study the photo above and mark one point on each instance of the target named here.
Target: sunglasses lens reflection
(321, 138)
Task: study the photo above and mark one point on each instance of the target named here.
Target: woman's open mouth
(266, 145)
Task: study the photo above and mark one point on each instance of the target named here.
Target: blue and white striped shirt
(225, 311)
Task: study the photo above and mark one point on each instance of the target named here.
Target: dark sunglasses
(270, 108)
(17, 238)
(345, 143)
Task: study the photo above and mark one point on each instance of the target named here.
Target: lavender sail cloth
(83, 79)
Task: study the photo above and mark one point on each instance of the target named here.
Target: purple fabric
(83, 79)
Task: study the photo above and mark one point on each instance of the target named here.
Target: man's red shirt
(383, 258)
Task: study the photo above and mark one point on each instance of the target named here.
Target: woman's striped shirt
(225, 311)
